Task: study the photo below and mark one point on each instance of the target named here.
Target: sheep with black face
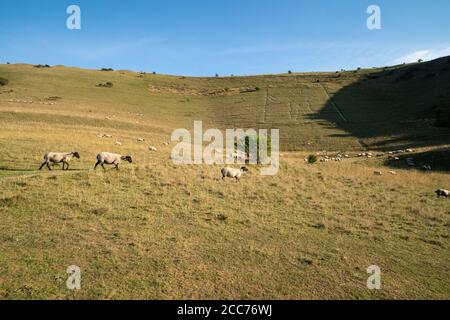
(443, 193)
(233, 173)
(111, 158)
(58, 157)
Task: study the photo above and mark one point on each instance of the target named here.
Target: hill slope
(378, 108)
(155, 230)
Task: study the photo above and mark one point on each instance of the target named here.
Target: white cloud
(426, 55)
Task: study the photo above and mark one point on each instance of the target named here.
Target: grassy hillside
(159, 231)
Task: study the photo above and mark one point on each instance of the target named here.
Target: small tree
(312, 158)
(420, 60)
(289, 72)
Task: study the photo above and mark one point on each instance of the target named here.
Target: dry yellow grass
(159, 231)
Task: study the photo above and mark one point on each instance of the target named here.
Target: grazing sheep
(233, 173)
(58, 157)
(443, 193)
(111, 158)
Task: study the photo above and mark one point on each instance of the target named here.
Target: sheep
(233, 173)
(111, 158)
(442, 193)
(58, 157)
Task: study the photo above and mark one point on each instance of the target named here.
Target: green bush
(312, 158)
(105, 85)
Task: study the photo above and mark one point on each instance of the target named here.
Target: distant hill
(369, 108)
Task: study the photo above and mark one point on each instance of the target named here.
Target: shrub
(107, 69)
(3, 81)
(42, 66)
(217, 75)
(312, 158)
(289, 72)
(105, 85)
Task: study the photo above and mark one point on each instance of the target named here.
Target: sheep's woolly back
(109, 158)
(57, 157)
(232, 172)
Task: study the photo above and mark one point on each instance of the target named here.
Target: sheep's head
(76, 155)
(244, 169)
(128, 158)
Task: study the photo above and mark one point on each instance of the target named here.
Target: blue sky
(241, 37)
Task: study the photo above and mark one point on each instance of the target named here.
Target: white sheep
(233, 173)
(111, 158)
(442, 193)
(58, 157)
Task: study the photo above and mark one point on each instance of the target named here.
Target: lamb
(442, 193)
(58, 157)
(111, 158)
(233, 173)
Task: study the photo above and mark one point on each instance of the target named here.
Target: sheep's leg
(63, 166)
(103, 166)
(67, 166)
(95, 167)
(40, 168)
(117, 167)
(48, 166)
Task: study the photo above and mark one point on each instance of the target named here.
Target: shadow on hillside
(394, 109)
(437, 159)
(36, 169)
(16, 169)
